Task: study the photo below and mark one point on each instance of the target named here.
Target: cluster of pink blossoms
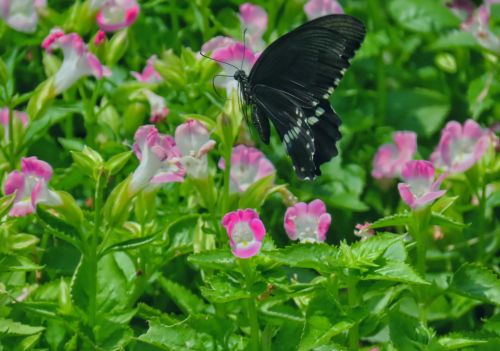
(460, 147)
(307, 223)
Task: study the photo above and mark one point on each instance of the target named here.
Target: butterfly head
(240, 76)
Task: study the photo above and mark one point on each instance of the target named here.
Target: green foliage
(117, 266)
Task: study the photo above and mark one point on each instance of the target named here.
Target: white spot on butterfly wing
(319, 111)
(312, 120)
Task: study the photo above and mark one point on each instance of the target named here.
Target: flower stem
(227, 179)
(248, 272)
(418, 230)
(92, 252)
(352, 297)
(481, 224)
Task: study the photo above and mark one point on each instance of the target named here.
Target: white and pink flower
(364, 231)
(149, 73)
(157, 106)
(159, 159)
(307, 223)
(21, 15)
(114, 15)
(420, 189)
(476, 21)
(390, 158)
(253, 18)
(30, 187)
(248, 165)
(194, 143)
(78, 61)
(246, 232)
(318, 8)
(460, 147)
(20, 120)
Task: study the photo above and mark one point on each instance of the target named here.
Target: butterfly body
(290, 85)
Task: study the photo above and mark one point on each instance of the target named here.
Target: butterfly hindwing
(288, 118)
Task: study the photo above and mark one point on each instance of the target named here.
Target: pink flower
(248, 165)
(159, 159)
(149, 73)
(253, 18)
(78, 61)
(157, 106)
(460, 147)
(114, 15)
(318, 8)
(390, 158)
(193, 140)
(100, 37)
(308, 223)
(246, 232)
(20, 120)
(364, 231)
(21, 15)
(420, 188)
(30, 187)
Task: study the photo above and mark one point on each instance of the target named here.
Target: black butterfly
(291, 82)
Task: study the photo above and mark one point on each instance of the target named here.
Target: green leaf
(422, 16)
(117, 162)
(315, 256)
(400, 219)
(445, 221)
(443, 203)
(10, 327)
(258, 192)
(396, 272)
(424, 110)
(221, 289)
(5, 204)
(130, 244)
(408, 333)
(221, 259)
(374, 247)
(477, 282)
(188, 302)
(179, 337)
(17, 263)
(57, 223)
(324, 320)
(457, 341)
(22, 241)
(455, 39)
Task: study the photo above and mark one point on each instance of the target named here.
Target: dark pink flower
(460, 147)
(159, 159)
(420, 188)
(246, 232)
(193, 140)
(307, 222)
(30, 187)
(390, 158)
(248, 165)
(149, 73)
(100, 37)
(318, 8)
(20, 120)
(364, 231)
(114, 15)
(78, 61)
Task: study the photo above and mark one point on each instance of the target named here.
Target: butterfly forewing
(301, 70)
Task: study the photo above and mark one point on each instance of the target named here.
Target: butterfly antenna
(219, 61)
(215, 89)
(244, 47)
